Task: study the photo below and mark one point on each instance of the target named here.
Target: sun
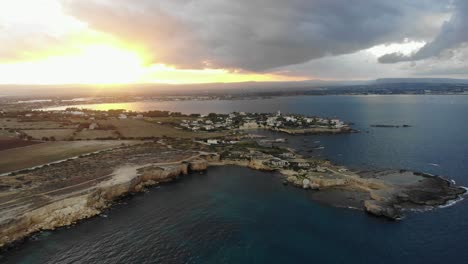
(93, 64)
(111, 64)
(104, 64)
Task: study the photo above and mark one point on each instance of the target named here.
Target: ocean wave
(453, 202)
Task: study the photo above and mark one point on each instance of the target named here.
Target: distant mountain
(421, 80)
(311, 87)
(172, 89)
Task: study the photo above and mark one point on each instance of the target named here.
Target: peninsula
(64, 166)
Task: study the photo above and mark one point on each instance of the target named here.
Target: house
(287, 155)
(122, 116)
(77, 113)
(249, 125)
(271, 121)
(279, 162)
(212, 141)
(337, 123)
(139, 116)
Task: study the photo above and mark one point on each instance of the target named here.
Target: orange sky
(86, 56)
(178, 42)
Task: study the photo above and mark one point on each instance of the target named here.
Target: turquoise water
(236, 215)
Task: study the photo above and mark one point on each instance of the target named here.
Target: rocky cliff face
(90, 202)
(60, 213)
(198, 165)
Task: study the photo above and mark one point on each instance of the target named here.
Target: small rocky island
(390, 126)
(60, 193)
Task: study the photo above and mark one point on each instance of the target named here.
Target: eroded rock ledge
(67, 209)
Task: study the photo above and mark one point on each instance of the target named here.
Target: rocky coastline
(46, 206)
(316, 131)
(91, 202)
(387, 193)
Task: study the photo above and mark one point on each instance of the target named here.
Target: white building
(279, 162)
(287, 155)
(337, 122)
(212, 141)
(77, 113)
(122, 116)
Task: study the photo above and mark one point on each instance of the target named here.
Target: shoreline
(125, 181)
(64, 193)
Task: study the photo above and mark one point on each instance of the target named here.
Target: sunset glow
(179, 42)
(101, 64)
(74, 53)
(93, 65)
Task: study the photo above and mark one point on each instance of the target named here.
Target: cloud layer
(452, 35)
(314, 38)
(256, 35)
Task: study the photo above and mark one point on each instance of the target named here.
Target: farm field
(58, 134)
(11, 142)
(138, 128)
(35, 155)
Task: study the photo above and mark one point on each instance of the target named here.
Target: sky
(206, 41)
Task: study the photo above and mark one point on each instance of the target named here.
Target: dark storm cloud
(452, 34)
(255, 34)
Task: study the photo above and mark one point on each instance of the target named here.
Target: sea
(238, 215)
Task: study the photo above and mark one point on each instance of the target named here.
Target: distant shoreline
(81, 105)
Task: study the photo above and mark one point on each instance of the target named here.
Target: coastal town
(82, 124)
(276, 121)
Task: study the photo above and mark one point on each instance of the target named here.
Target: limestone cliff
(68, 209)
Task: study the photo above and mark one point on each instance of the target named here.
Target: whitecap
(451, 203)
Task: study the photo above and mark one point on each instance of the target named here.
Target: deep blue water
(236, 215)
